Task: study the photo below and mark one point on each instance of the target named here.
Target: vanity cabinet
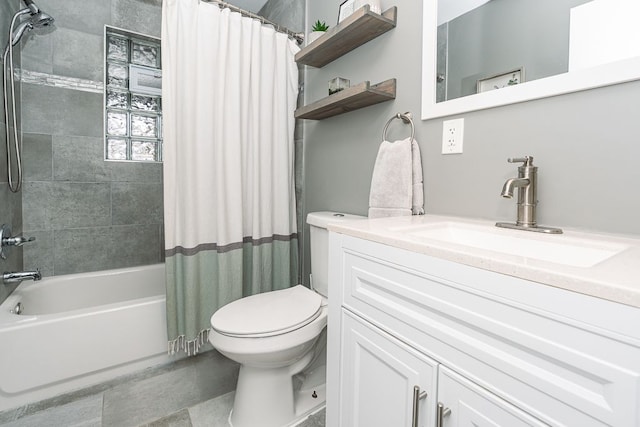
(491, 349)
(388, 383)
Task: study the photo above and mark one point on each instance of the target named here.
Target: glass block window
(133, 118)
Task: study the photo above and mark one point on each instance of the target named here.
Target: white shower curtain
(229, 92)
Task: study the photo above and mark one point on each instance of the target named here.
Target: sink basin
(559, 248)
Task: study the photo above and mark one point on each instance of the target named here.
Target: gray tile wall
(86, 214)
(291, 14)
(10, 203)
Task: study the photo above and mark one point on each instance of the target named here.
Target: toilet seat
(268, 314)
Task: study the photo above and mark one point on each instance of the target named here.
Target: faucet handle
(17, 240)
(7, 240)
(527, 160)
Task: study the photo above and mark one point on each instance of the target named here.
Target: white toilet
(276, 335)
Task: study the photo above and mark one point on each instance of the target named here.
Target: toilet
(276, 335)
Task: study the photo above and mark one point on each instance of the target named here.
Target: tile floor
(167, 396)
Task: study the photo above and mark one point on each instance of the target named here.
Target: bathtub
(79, 330)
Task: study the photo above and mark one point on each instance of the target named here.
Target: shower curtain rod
(298, 37)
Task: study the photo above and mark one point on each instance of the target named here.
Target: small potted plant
(318, 29)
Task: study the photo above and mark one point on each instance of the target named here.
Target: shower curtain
(229, 92)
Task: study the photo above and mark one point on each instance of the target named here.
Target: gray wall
(288, 13)
(503, 35)
(585, 144)
(86, 214)
(10, 203)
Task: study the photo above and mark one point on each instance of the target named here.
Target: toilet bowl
(276, 335)
(269, 357)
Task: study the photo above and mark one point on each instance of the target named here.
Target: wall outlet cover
(452, 136)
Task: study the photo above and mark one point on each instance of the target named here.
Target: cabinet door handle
(441, 413)
(417, 397)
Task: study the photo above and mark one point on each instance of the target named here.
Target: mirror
(484, 53)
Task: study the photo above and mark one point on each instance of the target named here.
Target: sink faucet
(19, 276)
(526, 183)
(507, 190)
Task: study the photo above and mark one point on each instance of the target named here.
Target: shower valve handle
(7, 240)
(17, 241)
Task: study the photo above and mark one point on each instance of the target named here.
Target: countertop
(616, 278)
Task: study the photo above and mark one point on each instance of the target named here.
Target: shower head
(41, 19)
(38, 19)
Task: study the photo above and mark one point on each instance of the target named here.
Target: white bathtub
(80, 329)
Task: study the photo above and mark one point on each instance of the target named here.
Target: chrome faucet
(19, 276)
(17, 240)
(527, 185)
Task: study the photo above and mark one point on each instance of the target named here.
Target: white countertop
(616, 278)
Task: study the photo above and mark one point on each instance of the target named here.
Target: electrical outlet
(452, 136)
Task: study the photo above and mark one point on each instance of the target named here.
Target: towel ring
(407, 118)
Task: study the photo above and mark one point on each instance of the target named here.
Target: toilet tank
(319, 239)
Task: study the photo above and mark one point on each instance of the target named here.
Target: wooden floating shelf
(349, 99)
(357, 29)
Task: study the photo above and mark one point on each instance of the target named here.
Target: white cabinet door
(473, 406)
(378, 379)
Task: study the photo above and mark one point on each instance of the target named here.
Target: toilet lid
(269, 313)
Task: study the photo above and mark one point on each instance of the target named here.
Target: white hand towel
(417, 206)
(396, 183)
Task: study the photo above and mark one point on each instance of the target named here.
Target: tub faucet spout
(19, 276)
